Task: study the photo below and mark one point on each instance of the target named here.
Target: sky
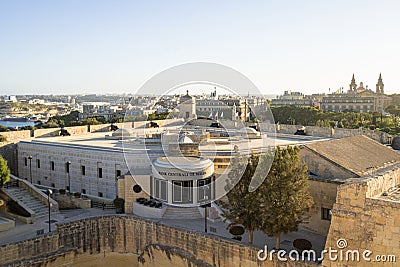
(97, 46)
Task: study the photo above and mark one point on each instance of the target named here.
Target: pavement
(24, 231)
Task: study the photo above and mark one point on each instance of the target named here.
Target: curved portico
(183, 181)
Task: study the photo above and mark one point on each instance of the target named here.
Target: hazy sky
(115, 46)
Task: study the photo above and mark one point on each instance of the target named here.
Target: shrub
(236, 230)
(302, 244)
(119, 204)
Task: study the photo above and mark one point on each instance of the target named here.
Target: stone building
(187, 107)
(335, 163)
(358, 98)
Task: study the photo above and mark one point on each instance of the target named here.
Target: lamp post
(206, 205)
(30, 168)
(49, 192)
(69, 176)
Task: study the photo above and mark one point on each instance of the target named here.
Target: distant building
(358, 98)
(187, 107)
(10, 98)
(289, 98)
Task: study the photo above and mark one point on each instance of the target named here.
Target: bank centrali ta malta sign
(182, 173)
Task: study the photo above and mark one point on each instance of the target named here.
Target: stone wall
(10, 153)
(71, 202)
(322, 167)
(379, 136)
(324, 196)
(15, 136)
(124, 234)
(364, 219)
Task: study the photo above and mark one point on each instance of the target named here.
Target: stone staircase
(178, 213)
(30, 201)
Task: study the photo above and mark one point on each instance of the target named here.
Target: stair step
(30, 201)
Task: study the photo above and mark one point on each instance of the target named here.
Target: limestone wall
(15, 136)
(124, 234)
(324, 196)
(322, 167)
(10, 153)
(366, 220)
(337, 133)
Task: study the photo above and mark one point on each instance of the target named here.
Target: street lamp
(206, 205)
(30, 167)
(69, 176)
(49, 192)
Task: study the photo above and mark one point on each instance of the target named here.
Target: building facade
(358, 98)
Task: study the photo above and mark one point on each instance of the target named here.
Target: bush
(302, 244)
(119, 204)
(236, 230)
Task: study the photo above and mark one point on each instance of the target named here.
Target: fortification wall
(365, 220)
(125, 234)
(336, 132)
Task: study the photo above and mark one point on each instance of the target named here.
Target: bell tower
(380, 85)
(353, 85)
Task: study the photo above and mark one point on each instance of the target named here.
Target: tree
(244, 206)
(4, 172)
(278, 205)
(284, 193)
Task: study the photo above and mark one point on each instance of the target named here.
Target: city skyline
(104, 47)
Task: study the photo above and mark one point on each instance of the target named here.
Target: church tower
(380, 85)
(353, 85)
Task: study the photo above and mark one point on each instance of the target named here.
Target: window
(182, 191)
(203, 189)
(83, 170)
(26, 161)
(100, 172)
(53, 185)
(118, 173)
(38, 163)
(325, 214)
(38, 182)
(52, 165)
(100, 194)
(160, 189)
(83, 191)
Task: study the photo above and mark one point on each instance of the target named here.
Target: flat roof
(98, 141)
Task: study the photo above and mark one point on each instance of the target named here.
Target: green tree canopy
(4, 172)
(278, 205)
(285, 193)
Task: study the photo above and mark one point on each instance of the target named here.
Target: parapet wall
(379, 136)
(366, 220)
(120, 233)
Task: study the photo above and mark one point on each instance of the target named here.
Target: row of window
(67, 168)
(182, 191)
(83, 191)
